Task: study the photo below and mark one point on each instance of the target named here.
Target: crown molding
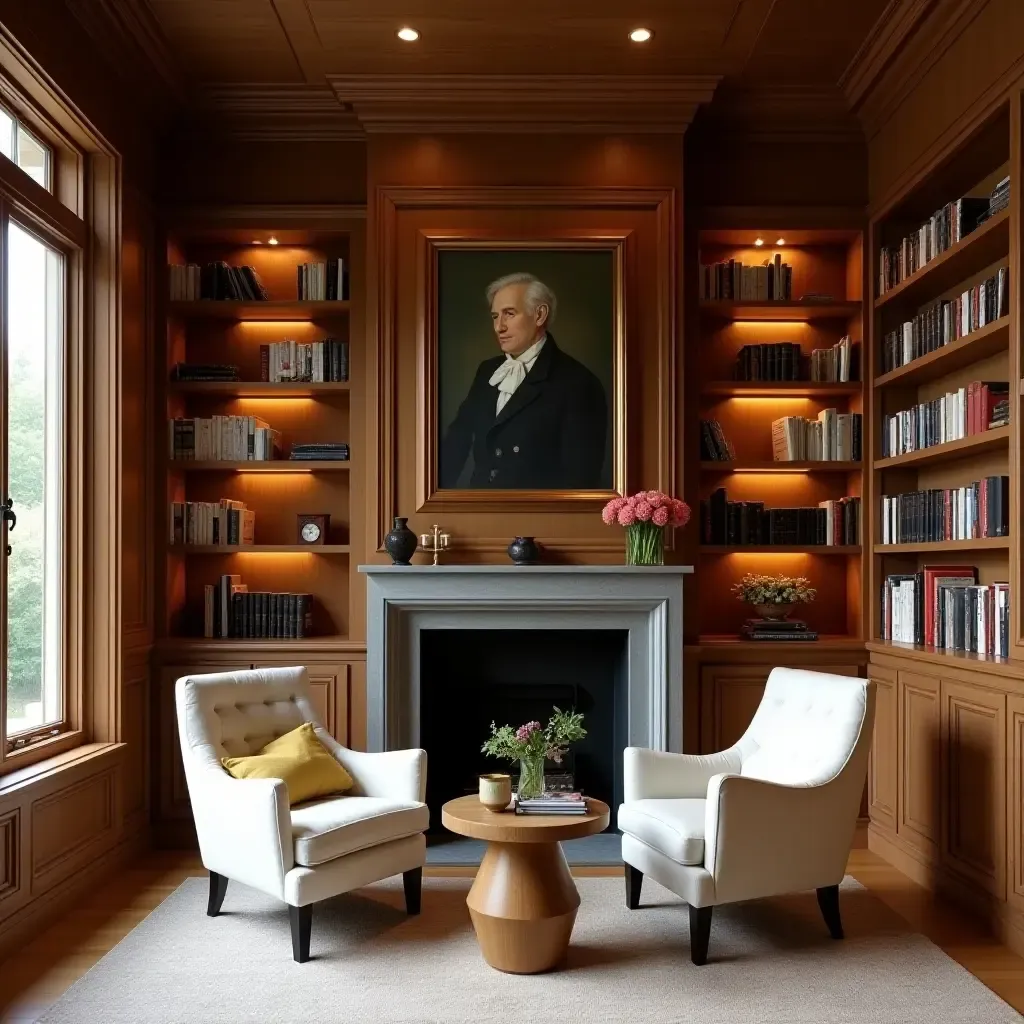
(273, 113)
(903, 45)
(129, 38)
(527, 104)
(782, 113)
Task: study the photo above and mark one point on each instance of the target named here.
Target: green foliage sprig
(534, 740)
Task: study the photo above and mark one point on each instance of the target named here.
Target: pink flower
(680, 512)
(524, 732)
(660, 516)
(627, 515)
(656, 499)
(643, 510)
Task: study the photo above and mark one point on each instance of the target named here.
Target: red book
(931, 574)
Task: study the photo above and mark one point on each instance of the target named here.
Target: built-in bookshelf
(233, 336)
(772, 341)
(955, 224)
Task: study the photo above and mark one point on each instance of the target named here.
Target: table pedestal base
(523, 904)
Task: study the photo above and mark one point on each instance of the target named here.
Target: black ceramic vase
(524, 551)
(400, 543)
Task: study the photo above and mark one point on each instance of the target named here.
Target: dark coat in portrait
(551, 434)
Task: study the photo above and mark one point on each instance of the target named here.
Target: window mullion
(4, 460)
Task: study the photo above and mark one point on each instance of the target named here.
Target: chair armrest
(656, 774)
(244, 827)
(762, 838)
(394, 774)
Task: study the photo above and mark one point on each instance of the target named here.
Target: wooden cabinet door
(1015, 800)
(882, 766)
(729, 696)
(919, 762)
(974, 784)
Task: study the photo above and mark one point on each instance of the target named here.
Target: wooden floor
(36, 976)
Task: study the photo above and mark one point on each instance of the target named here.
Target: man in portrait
(534, 418)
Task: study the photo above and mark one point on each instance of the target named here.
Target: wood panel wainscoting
(947, 780)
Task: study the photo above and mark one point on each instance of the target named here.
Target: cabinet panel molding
(1015, 794)
(918, 789)
(10, 861)
(882, 766)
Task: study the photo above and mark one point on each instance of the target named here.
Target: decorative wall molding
(274, 113)
(10, 841)
(529, 104)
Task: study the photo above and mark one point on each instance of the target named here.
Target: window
(18, 144)
(33, 400)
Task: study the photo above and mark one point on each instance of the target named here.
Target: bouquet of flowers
(757, 589)
(645, 516)
(532, 743)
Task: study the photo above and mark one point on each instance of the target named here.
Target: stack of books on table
(551, 802)
(326, 451)
(777, 629)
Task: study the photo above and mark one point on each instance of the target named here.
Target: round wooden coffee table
(523, 902)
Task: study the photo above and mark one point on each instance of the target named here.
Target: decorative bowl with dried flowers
(773, 597)
(532, 743)
(645, 515)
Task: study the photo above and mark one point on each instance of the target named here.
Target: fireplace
(471, 677)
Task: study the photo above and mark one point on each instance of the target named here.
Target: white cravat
(507, 377)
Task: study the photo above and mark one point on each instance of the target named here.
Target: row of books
(947, 321)
(552, 802)
(775, 630)
(204, 371)
(713, 444)
(231, 611)
(979, 509)
(732, 279)
(999, 197)
(230, 438)
(741, 523)
(832, 437)
(944, 228)
(943, 606)
(972, 409)
(783, 361)
(321, 451)
(218, 280)
(325, 281)
(225, 522)
(315, 361)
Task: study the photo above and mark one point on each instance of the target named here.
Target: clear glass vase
(531, 777)
(645, 544)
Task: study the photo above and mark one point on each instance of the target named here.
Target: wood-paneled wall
(65, 823)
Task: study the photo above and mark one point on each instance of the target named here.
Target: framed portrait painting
(524, 371)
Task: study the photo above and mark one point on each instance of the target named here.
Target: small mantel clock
(312, 528)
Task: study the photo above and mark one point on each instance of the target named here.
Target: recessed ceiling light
(271, 240)
(780, 241)
(758, 241)
(640, 35)
(408, 35)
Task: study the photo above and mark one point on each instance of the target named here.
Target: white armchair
(775, 813)
(312, 851)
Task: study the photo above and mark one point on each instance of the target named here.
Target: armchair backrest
(807, 727)
(234, 714)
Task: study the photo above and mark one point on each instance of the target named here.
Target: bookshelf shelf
(274, 466)
(216, 309)
(258, 389)
(970, 544)
(834, 642)
(243, 549)
(784, 549)
(768, 466)
(989, 440)
(942, 657)
(781, 389)
(735, 309)
(986, 341)
(980, 248)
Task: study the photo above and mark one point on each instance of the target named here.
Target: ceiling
(759, 43)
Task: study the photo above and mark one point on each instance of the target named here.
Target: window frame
(43, 214)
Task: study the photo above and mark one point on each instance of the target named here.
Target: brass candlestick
(435, 541)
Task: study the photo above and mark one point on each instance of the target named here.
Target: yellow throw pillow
(300, 759)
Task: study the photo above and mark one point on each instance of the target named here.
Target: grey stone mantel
(646, 601)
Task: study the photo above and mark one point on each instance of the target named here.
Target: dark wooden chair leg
(634, 881)
(828, 900)
(700, 933)
(413, 884)
(301, 919)
(218, 887)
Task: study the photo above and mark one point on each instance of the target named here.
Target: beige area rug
(770, 961)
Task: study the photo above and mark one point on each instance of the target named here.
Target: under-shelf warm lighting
(271, 240)
(780, 241)
(758, 242)
(408, 35)
(257, 241)
(763, 323)
(640, 35)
